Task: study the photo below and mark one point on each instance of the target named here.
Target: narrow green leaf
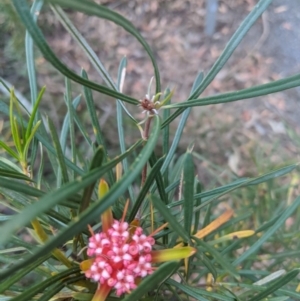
(95, 122)
(265, 89)
(53, 198)
(159, 181)
(198, 293)
(29, 139)
(255, 247)
(165, 136)
(208, 264)
(83, 131)
(94, 59)
(143, 193)
(16, 133)
(218, 192)
(196, 84)
(40, 287)
(173, 223)
(88, 191)
(42, 136)
(152, 281)
(14, 175)
(10, 281)
(188, 191)
(20, 187)
(120, 125)
(235, 40)
(92, 111)
(36, 34)
(88, 215)
(9, 150)
(276, 285)
(36, 7)
(91, 8)
(65, 126)
(68, 97)
(180, 127)
(33, 113)
(218, 257)
(198, 203)
(59, 152)
(30, 63)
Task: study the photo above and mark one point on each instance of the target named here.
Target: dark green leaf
(92, 213)
(221, 260)
(260, 241)
(88, 191)
(235, 40)
(37, 36)
(265, 89)
(188, 191)
(173, 223)
(56, 197)
(152, 281)
(59, 152)
(14, 175)
(145, 189)
(91, 8)
(276, 285)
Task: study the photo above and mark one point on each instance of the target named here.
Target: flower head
(122, 254)
(118, 258)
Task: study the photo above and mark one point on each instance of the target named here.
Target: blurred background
(246, 137)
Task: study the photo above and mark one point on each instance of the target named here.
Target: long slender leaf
(188, 191)
(6, 284)
(42, 136)
(145, 189)
(91, 8)
(65, 126)
(9, 150)
(40, 287)
(276, 285)
(255, 247)
(36, 7)
(173, 223)
(218, 258)
(237, 37)
(159, 181)
(92, 111)
(88, 215)
(69, 26)
(180, 127)
(88, 191)
(57, 196)
(198, 293)
(152, 281)
(14, 175)
(120, 125)
(165, 136)
(265, 89)
(37, 36)
(94, 59)
(33, 113)
(71, 111)
(59, 152)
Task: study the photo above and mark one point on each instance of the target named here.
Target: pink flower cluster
(120, 258)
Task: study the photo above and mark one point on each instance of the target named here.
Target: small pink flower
(122, 254)
(119, 260)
